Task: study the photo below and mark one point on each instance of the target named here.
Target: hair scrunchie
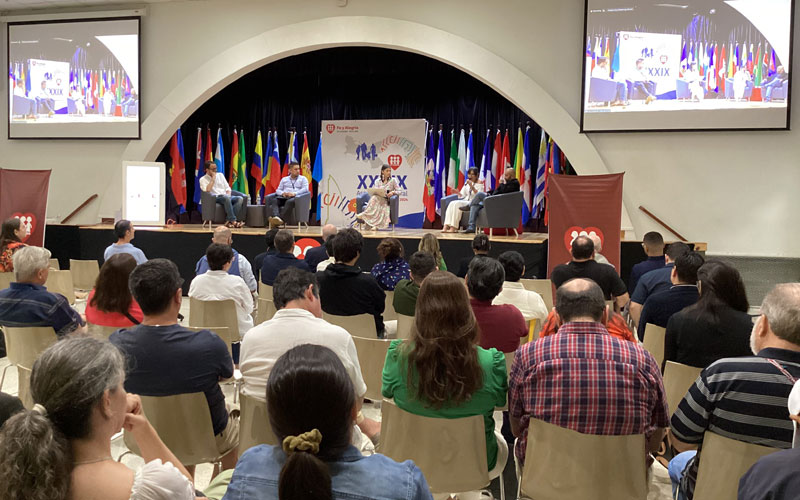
(307, 441)
(41, 410)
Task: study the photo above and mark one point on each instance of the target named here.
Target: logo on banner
(664, 59)
(28, 222)
(575, 231)
(395, 161)
(303, 245)
(330, 128)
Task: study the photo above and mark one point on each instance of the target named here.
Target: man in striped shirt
(743, 398)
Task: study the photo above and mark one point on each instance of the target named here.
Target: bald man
(508, 184)
(317, 254)
(240, 266)
(598, 247)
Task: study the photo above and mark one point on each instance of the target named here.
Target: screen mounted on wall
(686, 65)
(76, 79)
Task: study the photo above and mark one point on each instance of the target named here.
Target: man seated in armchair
(508, 184)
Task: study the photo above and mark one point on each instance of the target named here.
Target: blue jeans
(647, 87)
(475, 206)
(48, 104)
(770, 87)
(676, 467)
(232, 204)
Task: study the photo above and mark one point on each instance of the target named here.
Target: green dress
(491, 395)
(442, 265)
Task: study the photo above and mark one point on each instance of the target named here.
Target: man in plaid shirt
(584, 379)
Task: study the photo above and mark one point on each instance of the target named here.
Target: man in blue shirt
(291, 186)
(273, 264)
(124, 232)
(656, 281)
(683, 293)
(653, 244)
(240, 266)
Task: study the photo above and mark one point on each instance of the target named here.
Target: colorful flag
(470, 158)
(266, 181)
(234, 174)
(439, 182)
(606, 53)
(209, 154)
(177, 171)
(497, 159)
(538, 191)
(291, 153)
(305, 160)
(317, 175)
(506, 158)
(256, 169)
(241, 182)
(615, 61)
(219, 154)
(731, 61)
(275, 163)
(486, 160)
(462, 161)
(722, 69)
(518, 156)
(198, 163)
(452, 169)
(556, 157)
(526, 177)
(757, 73)
(430, 177)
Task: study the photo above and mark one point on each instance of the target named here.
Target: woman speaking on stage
(376, 215)
(472, 187)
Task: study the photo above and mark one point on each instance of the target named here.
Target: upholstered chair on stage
(602, 90)
(394, 206)
(214, 213)
(499, 211)
(300, 215)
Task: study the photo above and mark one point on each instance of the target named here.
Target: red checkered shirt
(584, 379)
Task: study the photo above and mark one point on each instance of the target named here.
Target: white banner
(353, 152)
(661, 55)
(55, 76)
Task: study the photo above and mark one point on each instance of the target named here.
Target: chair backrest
(215, 313)
(84, 273)
(5, 280)
(543, 288)
(100, 331)
(254, 426)
(266, 310)
(264, 290)
(450, 452)
(61, 282)
(371, 357)
(404, 326)
(389, 313)
(562, 463)
(24, 386)
(509, 360)
(727, 461)
(222, 332)
(678, 378)
(54, 264)
(359, 325)
(503, 210)
(654, 337)
(183, 422)
(24, 344)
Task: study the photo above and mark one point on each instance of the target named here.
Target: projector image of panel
(690, 65)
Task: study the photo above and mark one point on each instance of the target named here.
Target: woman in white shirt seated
(61, 449)
(471, 187)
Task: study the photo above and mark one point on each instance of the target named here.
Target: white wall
(734, 190)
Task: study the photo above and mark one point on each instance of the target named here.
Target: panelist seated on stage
(215, 184)
(471, 188)
(377, 213)
(508, 184)
(240, 266)
(283, 258)
(601, 71)
(124, 231)
(291, 186)
(583, 265)
(28, 108)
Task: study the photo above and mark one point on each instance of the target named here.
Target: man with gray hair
(26, 302)
(240, 266)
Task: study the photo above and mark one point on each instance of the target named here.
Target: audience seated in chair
(110, 302)
(480, 246)
(656, 280)
(217, 284)
(421, 264)
(329, 252)
(728, 397)
(508, 184)
(653, 244)
(240, 266)
(598, 247)
(167, 359)
(298, 321)
(501, 326)
(61, 449)
(124, 231)
(11, 236)
(429, 243)
(282, 258)
(570, 380)
(441, 371)
(393, 267)
(615, 324)
(317, 254)
(269, 241)
(529, 303)
(312, 407)
(583, 265)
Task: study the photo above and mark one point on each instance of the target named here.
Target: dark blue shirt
(273, 264)
(389, 272)
(26, 304)
(651, 264)
(314, 256)
(170, 360)
(662, 305)
(774, 477)
(652, 282)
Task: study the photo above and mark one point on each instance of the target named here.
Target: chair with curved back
(6, 279)
(84, 273)
(266, 310)
(264, 290)
(372, 357)
(213, 313)
(389, 313)
(678, 378)
(359, 325)
(298, 217)
(61, 282)
(254, 426)
(23, 346)
(54, 264)
(404, 326)
(543, 287)
(654, 337)
(100, 331)
(394, 206)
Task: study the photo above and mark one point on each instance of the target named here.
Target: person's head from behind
(429, 243)
(481, 245)
(31, 265)
(686, 267)
(443, 341)
(269, 238)
(779, 323)
(294, 169)
(328, 230)
(156, 286)
(220, 257)
(653, 244)
(77, 385)
(485, 278)
(348, 245)
(597, 242)
(312, 408)
(513, 264)
(124, 230)
(720, 286)
(675, 250)
(222, 235)
(390, 249)
(284, 241)
(297, 289)
(111, 292)
(421, 264)
(329, 245)
(582, 300)
(12, 230)
(582, 249)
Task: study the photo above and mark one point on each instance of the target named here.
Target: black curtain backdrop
(351, 83)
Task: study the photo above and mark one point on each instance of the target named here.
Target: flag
(538, 191)
(506, 158)
(291, 153)
(198, 163)
(177, 171)
(757, 73)
(452, 170)
(266, 180)
(773, 65)
(317, 175)
(305, 160)
(430, 168)
(722, 68)
(486, 159)
(209, 154)
(462, 161)
(242, 185)
(606, 51)
(595, 55)
(556, 157)
(732, 61)
(497, 158)
(275, 164)
(439, 182)
(219, 155)
(234, 174)
(518, 173)
(526, 177)
(470, 157)
(615, 61)
(256, 169)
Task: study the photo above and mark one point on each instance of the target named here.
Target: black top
(773, 477)
(273, 264)
(700, 342)
(463, 266)
(259, 261)
(602, 274)
(314, 256)
(9, 405)
(346, 291)
(644, 267)
(659, 307)
(511, 186)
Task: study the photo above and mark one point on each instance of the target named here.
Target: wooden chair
(389, 313)
(23, 346)
(212, 313)
(24, 386)
(54, 264)
(254, 426)
(654, 337)
(509, 361)
(728, 461)
(100, 331)
(6, 279)
(561, 463)
(61, 282)
(678, 378)
(371, 357)
(543, 288)
(264, 291)
(404, 326)
(266, 310)
(359, 325)
(84, 273)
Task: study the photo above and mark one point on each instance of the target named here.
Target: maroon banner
(581, 205)
(23, 194)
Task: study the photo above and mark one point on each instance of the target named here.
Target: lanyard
(782, 370)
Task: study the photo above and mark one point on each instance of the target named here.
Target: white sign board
(55, 76)
(144, 192)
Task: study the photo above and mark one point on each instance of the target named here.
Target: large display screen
(686, 65)
(74, 79)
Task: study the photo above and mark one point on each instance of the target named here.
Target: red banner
(23, 194)
(584, 204)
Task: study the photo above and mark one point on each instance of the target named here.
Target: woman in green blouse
(430, 244)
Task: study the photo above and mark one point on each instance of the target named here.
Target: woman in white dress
(61, 449)
(740, 80)
(376, 215)
(471, 187)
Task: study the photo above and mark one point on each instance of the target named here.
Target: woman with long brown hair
(11, 235)
(430, 244)
(441, 371)
(110, 303)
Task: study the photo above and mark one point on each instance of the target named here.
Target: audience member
(312, 405)
(393, 267)
(283, 258)
(441, 371)
(616, 326)
(167, 359)
(656, 280)
(653, 244)
(297, 321)
(429, 243)
(743, 398)
(317, 254)
(217, 284)
(61, 449)
(110, 303)
(11, 236)
(715, 327)
(344, 289)
(421, 264)
(480, 246)
(9, 405)
(598, 247)
(124, 231)
(501, 326)
(240, 266)
(584, 379)
(660, 306)
(269, 241)
(329, 252)
(529, 303)
(214, 183)
(583, 265)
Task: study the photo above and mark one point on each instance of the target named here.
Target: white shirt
(601, 72)
(267, 342)
(219, 285)
(220, 184)
(325, 263)
(20, 91)
(246, 272)
(161, 481)
(529, 303)
(466, 193)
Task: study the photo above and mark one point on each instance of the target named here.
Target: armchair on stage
(298, 217)
(499, 211)
(602, 90)
(213, 213)
(23, 106)
(394, 206)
